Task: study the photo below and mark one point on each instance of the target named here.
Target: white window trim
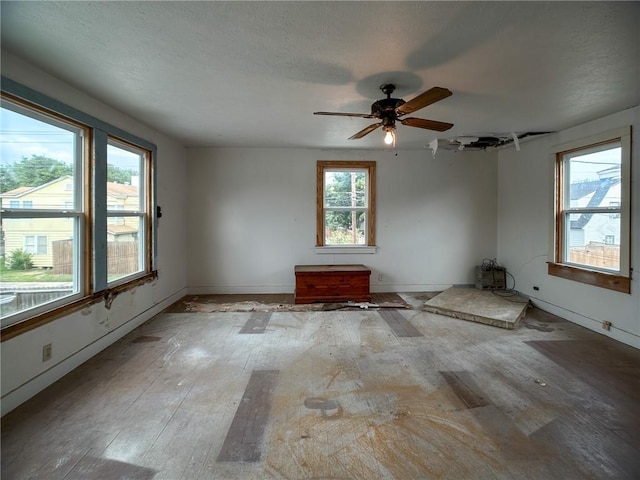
(347, 249)
(36, 237)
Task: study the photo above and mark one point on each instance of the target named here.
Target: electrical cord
(509, 292)
(489, 264)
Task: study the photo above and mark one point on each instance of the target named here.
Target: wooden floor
(358, 394)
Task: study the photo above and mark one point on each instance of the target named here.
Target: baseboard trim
(623, 336)
(35, 385)
(239, 289)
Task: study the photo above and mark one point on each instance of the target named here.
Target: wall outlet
(536, 288)
(606, 325)
(46, 352)
(380, 277)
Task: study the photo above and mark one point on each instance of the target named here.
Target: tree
(345, 189)
(7, 180)
(20, 260)
(119, 175)
(38, 170)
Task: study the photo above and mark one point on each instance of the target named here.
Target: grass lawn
(32, 275)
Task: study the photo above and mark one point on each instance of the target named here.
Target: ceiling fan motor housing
(386, 107)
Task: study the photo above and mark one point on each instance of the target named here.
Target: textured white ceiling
(252, 73)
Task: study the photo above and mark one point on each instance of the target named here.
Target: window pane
(339, 228)
(124, 170)
(36, 161)
(594, 177)
(125, 193)
(41, 162)
(39, 268)
(124, 248)
(594, 240)
(345, 189)
(42, 244)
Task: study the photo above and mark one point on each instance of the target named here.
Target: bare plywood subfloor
(480, 306)
(354, 394)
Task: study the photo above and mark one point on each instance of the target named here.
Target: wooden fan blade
(340, 114)
(365, 131)
(432, 95)
(427, 124)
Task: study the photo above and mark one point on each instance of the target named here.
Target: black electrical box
(491, 277)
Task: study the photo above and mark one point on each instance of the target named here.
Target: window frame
(143, 211)
(36, 244)
(323, 166)
(18, 320)
(90, 192)
(558, 265)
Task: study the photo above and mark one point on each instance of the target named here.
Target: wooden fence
(122, 257)
(596, 255)
(62, 251)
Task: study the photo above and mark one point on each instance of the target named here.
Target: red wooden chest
(332, 283)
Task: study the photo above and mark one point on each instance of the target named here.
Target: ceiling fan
(389, 110)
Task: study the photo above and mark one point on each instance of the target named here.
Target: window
(35, 244)
(69, 168)
(345, 204)
(126, 209)
(614, 215)
(592, 204)
(41, 151)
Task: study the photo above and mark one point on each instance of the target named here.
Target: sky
(23, 136)
(586, 167)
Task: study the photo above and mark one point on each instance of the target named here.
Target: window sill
(610, 281)
(105, 296)
(346, 249)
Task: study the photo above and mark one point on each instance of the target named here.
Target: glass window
(35, 244)
(126, 210)
(346, 204)
(592, 213)
(64, 196)
(40, 154)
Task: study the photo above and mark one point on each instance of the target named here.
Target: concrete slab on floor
(480, 306)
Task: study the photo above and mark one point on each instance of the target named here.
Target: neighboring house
(595, 238)
(122, 197)
(36, 236)
(604, 192)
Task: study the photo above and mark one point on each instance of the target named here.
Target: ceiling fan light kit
(389, 110)
(390, 135)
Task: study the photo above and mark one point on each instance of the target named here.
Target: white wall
(252, 218)
(79, 336)
(525, 190)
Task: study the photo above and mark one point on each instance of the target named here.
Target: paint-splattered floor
(346, 394)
